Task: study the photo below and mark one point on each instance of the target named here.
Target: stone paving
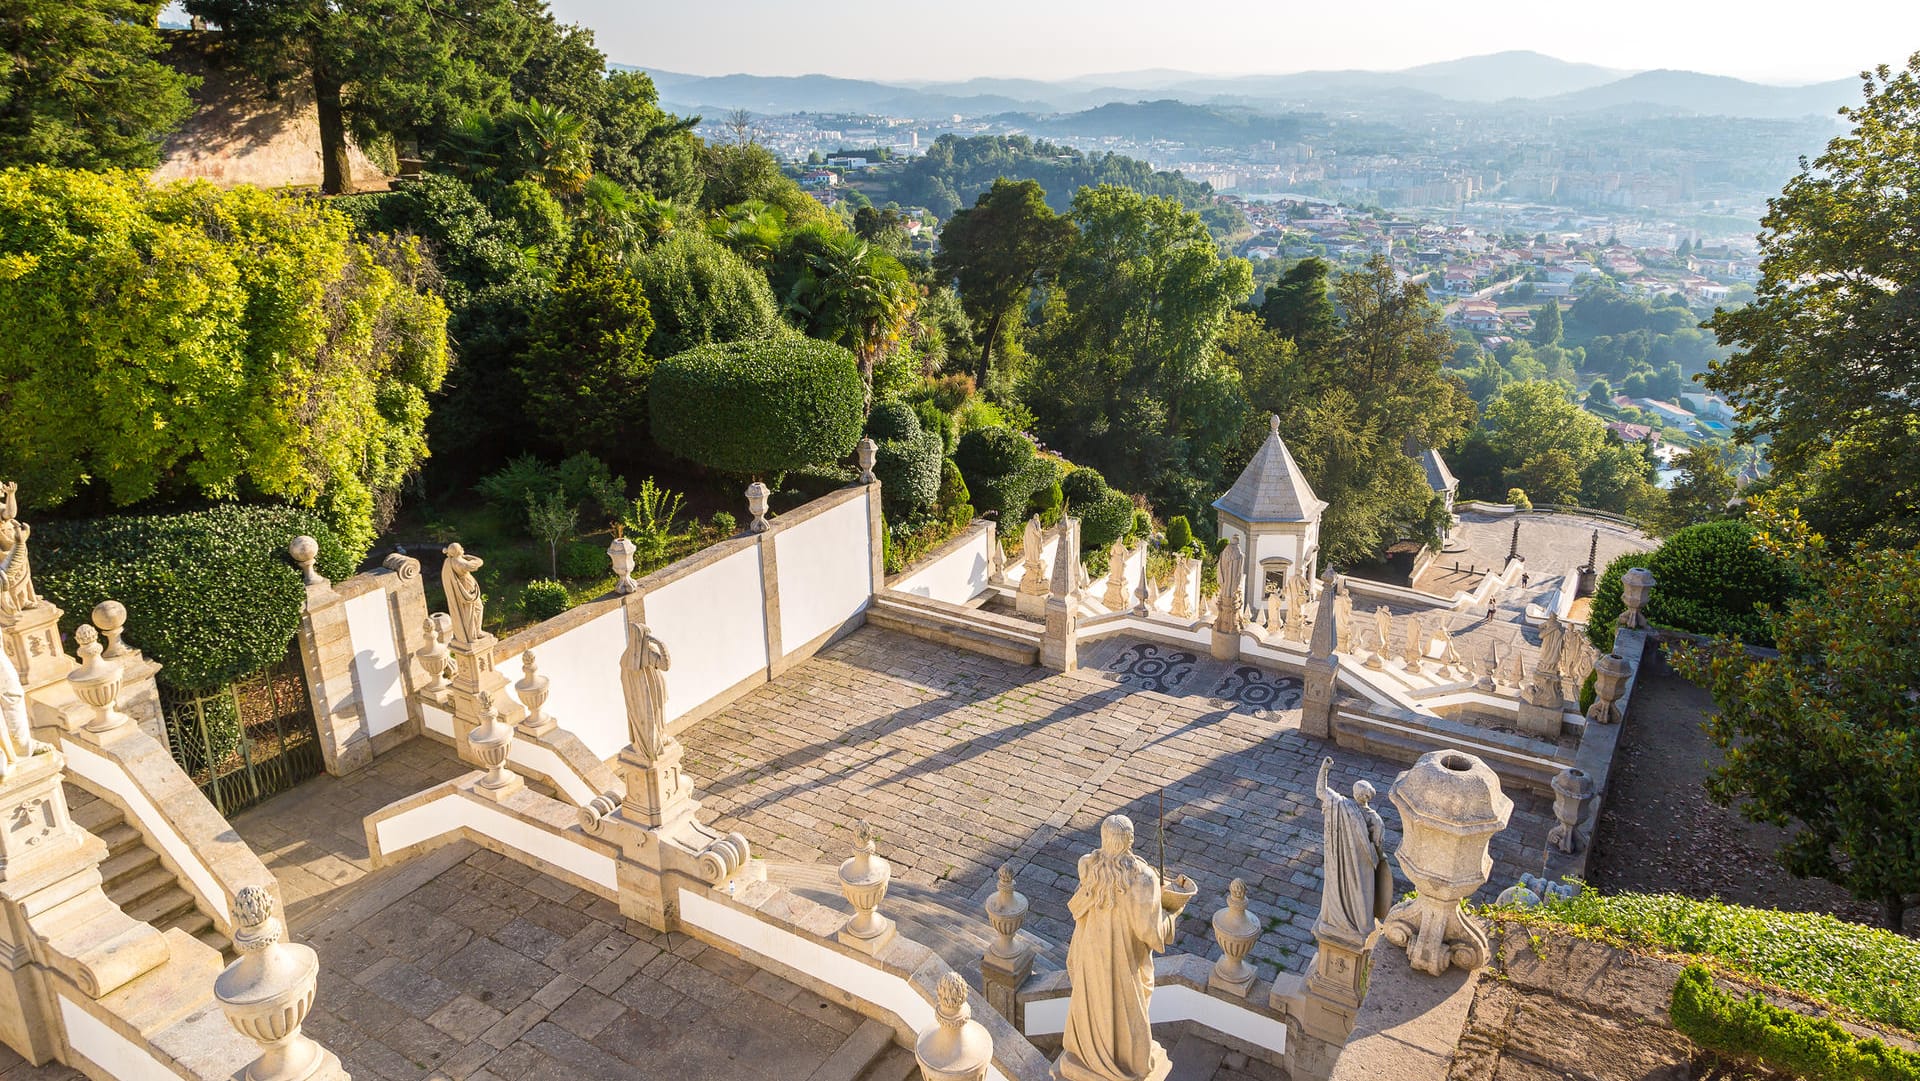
(965, 763)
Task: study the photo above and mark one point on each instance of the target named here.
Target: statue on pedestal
(1121, 918)
(1356, 888)
(16, 732)
(16, 575)
(1231, 573)
(643, 681)
(464, 601)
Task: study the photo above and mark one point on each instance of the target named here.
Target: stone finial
(757, 496)
(1609, 683)
(1450, 807)
(305, 550)
(96, 681)
(268, 990)
(435, 652)
(958, 1048)
(1513, 546)
(1006, 910)
(111, 617)
(490, 743)
(1066, 560)
(532, 689)
(620, 555)
(1236, 930)
(1572, 794)
(1635, 587)
(865, 452)
(863, 880)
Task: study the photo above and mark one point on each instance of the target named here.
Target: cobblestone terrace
(964, 763)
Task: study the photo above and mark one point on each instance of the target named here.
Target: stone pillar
(877, 532)
(31, 637)
(1450, 807)
(1322, 675)
(474, 675)
(326, 652)
(267, 993)
(407, 608)
(1008, 962)
(958, 1048)
(1059, 649)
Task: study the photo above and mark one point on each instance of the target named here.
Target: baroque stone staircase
(133, 875)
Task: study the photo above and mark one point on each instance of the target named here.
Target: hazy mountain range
(1527, 80)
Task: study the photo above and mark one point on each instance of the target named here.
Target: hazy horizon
(1771, 41)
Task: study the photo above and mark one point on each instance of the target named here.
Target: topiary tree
(992, 452)
(1709, 579)
(1003, 473)
(907, 460)
(759, 407)
(210, 594)
(1179, 533)
(1084, 486)
(543, 598)
(1104, 520)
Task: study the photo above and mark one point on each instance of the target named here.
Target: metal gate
(247, 740)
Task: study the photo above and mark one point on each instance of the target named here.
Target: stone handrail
(526, 826)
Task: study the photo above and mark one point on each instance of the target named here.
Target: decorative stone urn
(864, 452)
(958, 1048)
(96, 682)
(1236, 931)
(1609, 683)
(435, 653)
(268, 991)
(305, 550)
(111, 617)
(863, 880)
(757, 494)
(1635, 587)
(1007, 910)
(490, 743)
(620, 554)
(532, 689)
(1573, 794)
(1450, 807)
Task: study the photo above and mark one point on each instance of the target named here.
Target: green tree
(551, 519)
(699, 293)
(1389, 353)
(527, 140)
(1376, 494)
(80, 85)
(586, 369)
(1547, 326)
(179, 341)
(398, 68)
(1703, 489)
(1826, 360)
(1525, 420)
(642, 146)
(841, 289)
(1299, 307)
(996, 251)
(1824, 739)
(748, 172)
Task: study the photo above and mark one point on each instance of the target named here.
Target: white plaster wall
(824, 571)
(582, 667)
(376, 661)
(105, 773)
(120, 1057)
(957, 577)
(714, 625)
(1176, 1002)
(453, 813)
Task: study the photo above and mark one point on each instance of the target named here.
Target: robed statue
(16, 575)
(464, 602)
(643, 680)
(16, 732)
(1356, 887)
(1232, 575)
(1119, 923)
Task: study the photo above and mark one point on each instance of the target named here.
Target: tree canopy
(997, 250)
(80, 84)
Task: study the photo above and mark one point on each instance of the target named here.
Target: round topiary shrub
(893, 420)
(1708, 579)
(1104, 520)
(992, 452)
(1179, 533)
(543, 598)
(953, 487)
(909, 472)
(1084, 486)
(210, 594)
(758, 407)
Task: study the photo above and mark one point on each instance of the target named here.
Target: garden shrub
(1142, 522)
(1708, 579)
(1047, 502)
(1588, 692)
(724, 523)
(1003, 474)
(951, 392)
(909, 472)
(893, 420)
(992, 452)
(1757, 1033)
(543, 598)
(1084, 486)
(1518, 497)
(210, 594)
(581, 561)
(1179, 533)
(1105, 520)
(941, 424)
(953, 487)
(759, 407)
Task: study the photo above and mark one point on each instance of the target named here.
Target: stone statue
(1115, 599)
(1232, 575)
(643, 681)
(1343, 617)
(1030, 542)
(1120, 920)
(1383, 628)
(1183, 582)
(464, 601)
(1296, 610)
(16, 732)
(1552, 641)
(1356, 887)
(1415, 654)
(1273, 611)
(16, 575)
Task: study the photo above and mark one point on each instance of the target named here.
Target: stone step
(161, 905)
(135, 888)
(896, 1064)
(119, 838)
(852, 1059)
(954, 631)
(133, 876)
(131, 861)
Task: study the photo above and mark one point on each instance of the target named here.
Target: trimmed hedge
(1757, 1033)
(210, 594)
(909, 472)
(1084, 486)
(893, 420)
(1708, 579)
(992, 452)
(759, 407)
(1105, 521)
(543, 598)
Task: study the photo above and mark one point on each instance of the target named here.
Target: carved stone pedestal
(1539, 720)
(663, 847)
(32, 639)
(473, 675)
(1335, 988)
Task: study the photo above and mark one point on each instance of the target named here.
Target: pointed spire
(1272, 488)
(1326, 623)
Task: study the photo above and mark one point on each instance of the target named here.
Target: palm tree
(855, 296)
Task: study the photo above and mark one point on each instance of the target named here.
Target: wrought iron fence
(247, 740)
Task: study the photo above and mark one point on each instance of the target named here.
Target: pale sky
(1766, 40)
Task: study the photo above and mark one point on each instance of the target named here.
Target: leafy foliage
(651, 522)
(956, 169)
(586, 369)
(699, 293)
(907, 460)
(80, 85)
(1709, 579)
(543, 598)
(1825, 738)
(1758, 1033)
(997, 251)
(551, 519)
(180, 341)
(210, 594)
(761, 407)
